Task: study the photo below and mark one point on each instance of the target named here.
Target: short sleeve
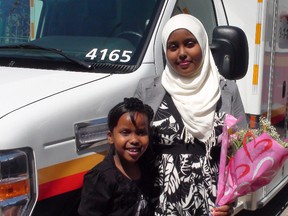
(232, 103)
(96, 194)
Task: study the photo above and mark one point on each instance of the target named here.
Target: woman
(190, 101)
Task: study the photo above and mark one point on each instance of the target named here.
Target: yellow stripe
(260, 1)
(255, 74)
(68, 168)
(258, 33)
(31, 3)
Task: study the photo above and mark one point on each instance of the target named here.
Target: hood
(22, 86)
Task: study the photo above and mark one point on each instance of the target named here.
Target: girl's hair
(131, 106)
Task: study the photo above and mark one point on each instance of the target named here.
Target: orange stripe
(60, 186)
(68, 168)
(66, 176)
(252, 122)
(255, 74)
(258, 33)
(32, 28)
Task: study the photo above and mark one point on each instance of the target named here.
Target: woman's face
(183, 52)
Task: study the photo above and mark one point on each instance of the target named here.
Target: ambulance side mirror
(230, 51)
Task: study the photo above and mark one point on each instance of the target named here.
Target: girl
(117, 185)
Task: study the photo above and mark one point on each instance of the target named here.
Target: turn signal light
(14, 187)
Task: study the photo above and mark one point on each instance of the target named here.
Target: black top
(106, 191)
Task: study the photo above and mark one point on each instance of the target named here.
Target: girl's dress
(187, 172)
(107, 192)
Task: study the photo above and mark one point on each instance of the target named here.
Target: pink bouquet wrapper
(253, 166)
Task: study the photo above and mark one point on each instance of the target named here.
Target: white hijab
(195, 97)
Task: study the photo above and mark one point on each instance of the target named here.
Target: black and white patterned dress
(186, 175)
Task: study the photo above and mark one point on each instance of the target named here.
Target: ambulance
(65, 63)
(264, 88)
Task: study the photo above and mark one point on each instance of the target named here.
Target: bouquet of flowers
(255, 158)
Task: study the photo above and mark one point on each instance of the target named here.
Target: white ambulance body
(264, 88)
(65, 63)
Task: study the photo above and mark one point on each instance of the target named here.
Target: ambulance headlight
(18, 185)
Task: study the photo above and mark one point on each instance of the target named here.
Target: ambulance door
(282, 57)
(275, 75)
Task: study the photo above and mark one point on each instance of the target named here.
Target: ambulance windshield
(61, 33)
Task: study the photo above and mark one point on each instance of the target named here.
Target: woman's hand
(225, 210)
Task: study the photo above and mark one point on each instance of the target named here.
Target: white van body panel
(18, 85)
(54, 129)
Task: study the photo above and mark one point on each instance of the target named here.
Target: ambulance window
(77, 35)
(203, 10)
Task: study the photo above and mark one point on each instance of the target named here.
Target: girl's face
(183, 52)
(130, 142)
